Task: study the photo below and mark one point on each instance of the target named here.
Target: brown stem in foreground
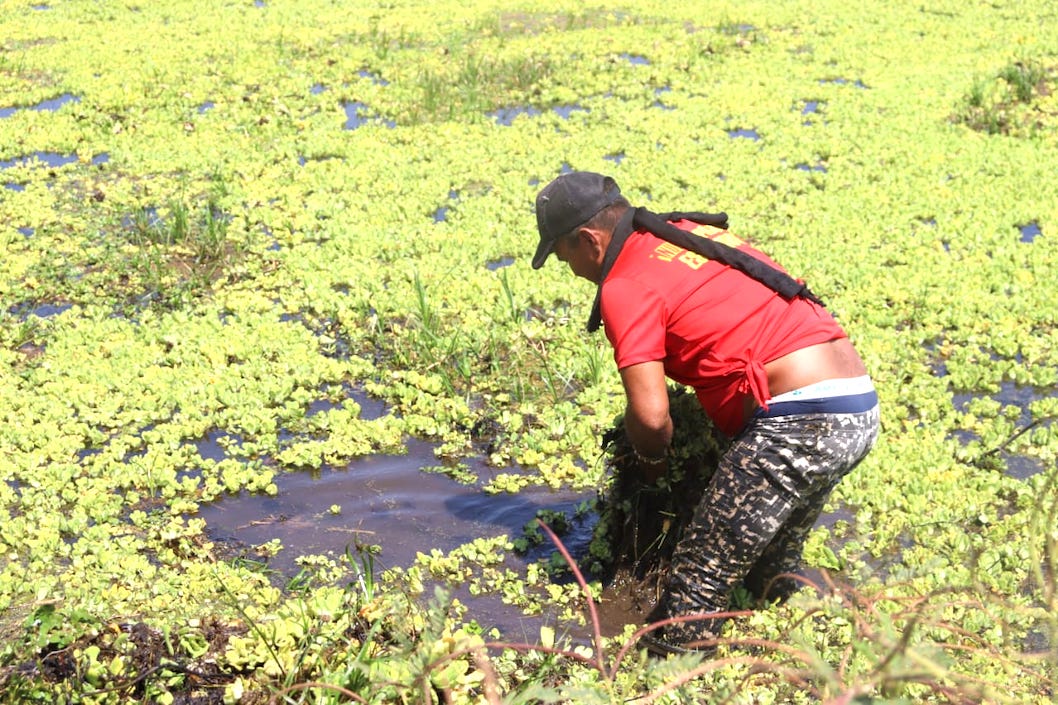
(592, 612)
(310, 685)
(492, 681)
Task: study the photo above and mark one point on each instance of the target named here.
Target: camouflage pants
(751, 524)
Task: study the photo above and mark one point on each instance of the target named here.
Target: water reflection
(1010, 394)
(357, 116)
(566, 111)
(384, 499)
(494, 264)
(51, 159)
(843, 81)
(45, 310)
(374, 78)
(659, 92)
(1029, 232)
(507, 116)
(50, 105)
(749, 134)
(388, 501)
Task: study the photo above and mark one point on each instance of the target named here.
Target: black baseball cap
(567, 202)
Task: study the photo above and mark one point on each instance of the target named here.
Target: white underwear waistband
(827, 388)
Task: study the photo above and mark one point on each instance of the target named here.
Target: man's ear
(593, 239)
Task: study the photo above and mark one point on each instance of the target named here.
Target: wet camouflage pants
(751, 524)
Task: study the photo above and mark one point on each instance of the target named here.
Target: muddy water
(384, 500)
(390, 502)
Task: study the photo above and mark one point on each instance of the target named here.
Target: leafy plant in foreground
(837, 646)
(1045, 564)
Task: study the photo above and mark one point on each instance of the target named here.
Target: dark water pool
(384, 500)
(390, 502)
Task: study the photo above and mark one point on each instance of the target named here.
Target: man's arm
(647, 420)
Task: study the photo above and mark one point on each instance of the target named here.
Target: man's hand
(652, 469)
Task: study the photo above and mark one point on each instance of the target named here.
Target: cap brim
(542, 251)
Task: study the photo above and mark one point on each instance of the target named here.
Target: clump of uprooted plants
(640, 522)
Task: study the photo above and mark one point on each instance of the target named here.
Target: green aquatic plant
(200, 233)
(467, 82)
(198, 244)
(1044, 556)
(1024, 79)
(1018, 100)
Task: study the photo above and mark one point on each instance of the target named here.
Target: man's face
(577, 253)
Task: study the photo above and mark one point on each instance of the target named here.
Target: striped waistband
(851, 395)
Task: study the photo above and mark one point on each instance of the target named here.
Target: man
(769, 364)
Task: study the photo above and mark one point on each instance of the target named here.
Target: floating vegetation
(247, 243)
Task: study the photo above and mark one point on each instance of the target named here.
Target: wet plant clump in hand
(640, 523)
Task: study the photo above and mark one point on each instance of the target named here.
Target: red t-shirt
(713, 327)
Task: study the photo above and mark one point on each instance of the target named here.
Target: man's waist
(813, 365)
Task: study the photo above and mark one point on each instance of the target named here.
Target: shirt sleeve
(634, 320)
